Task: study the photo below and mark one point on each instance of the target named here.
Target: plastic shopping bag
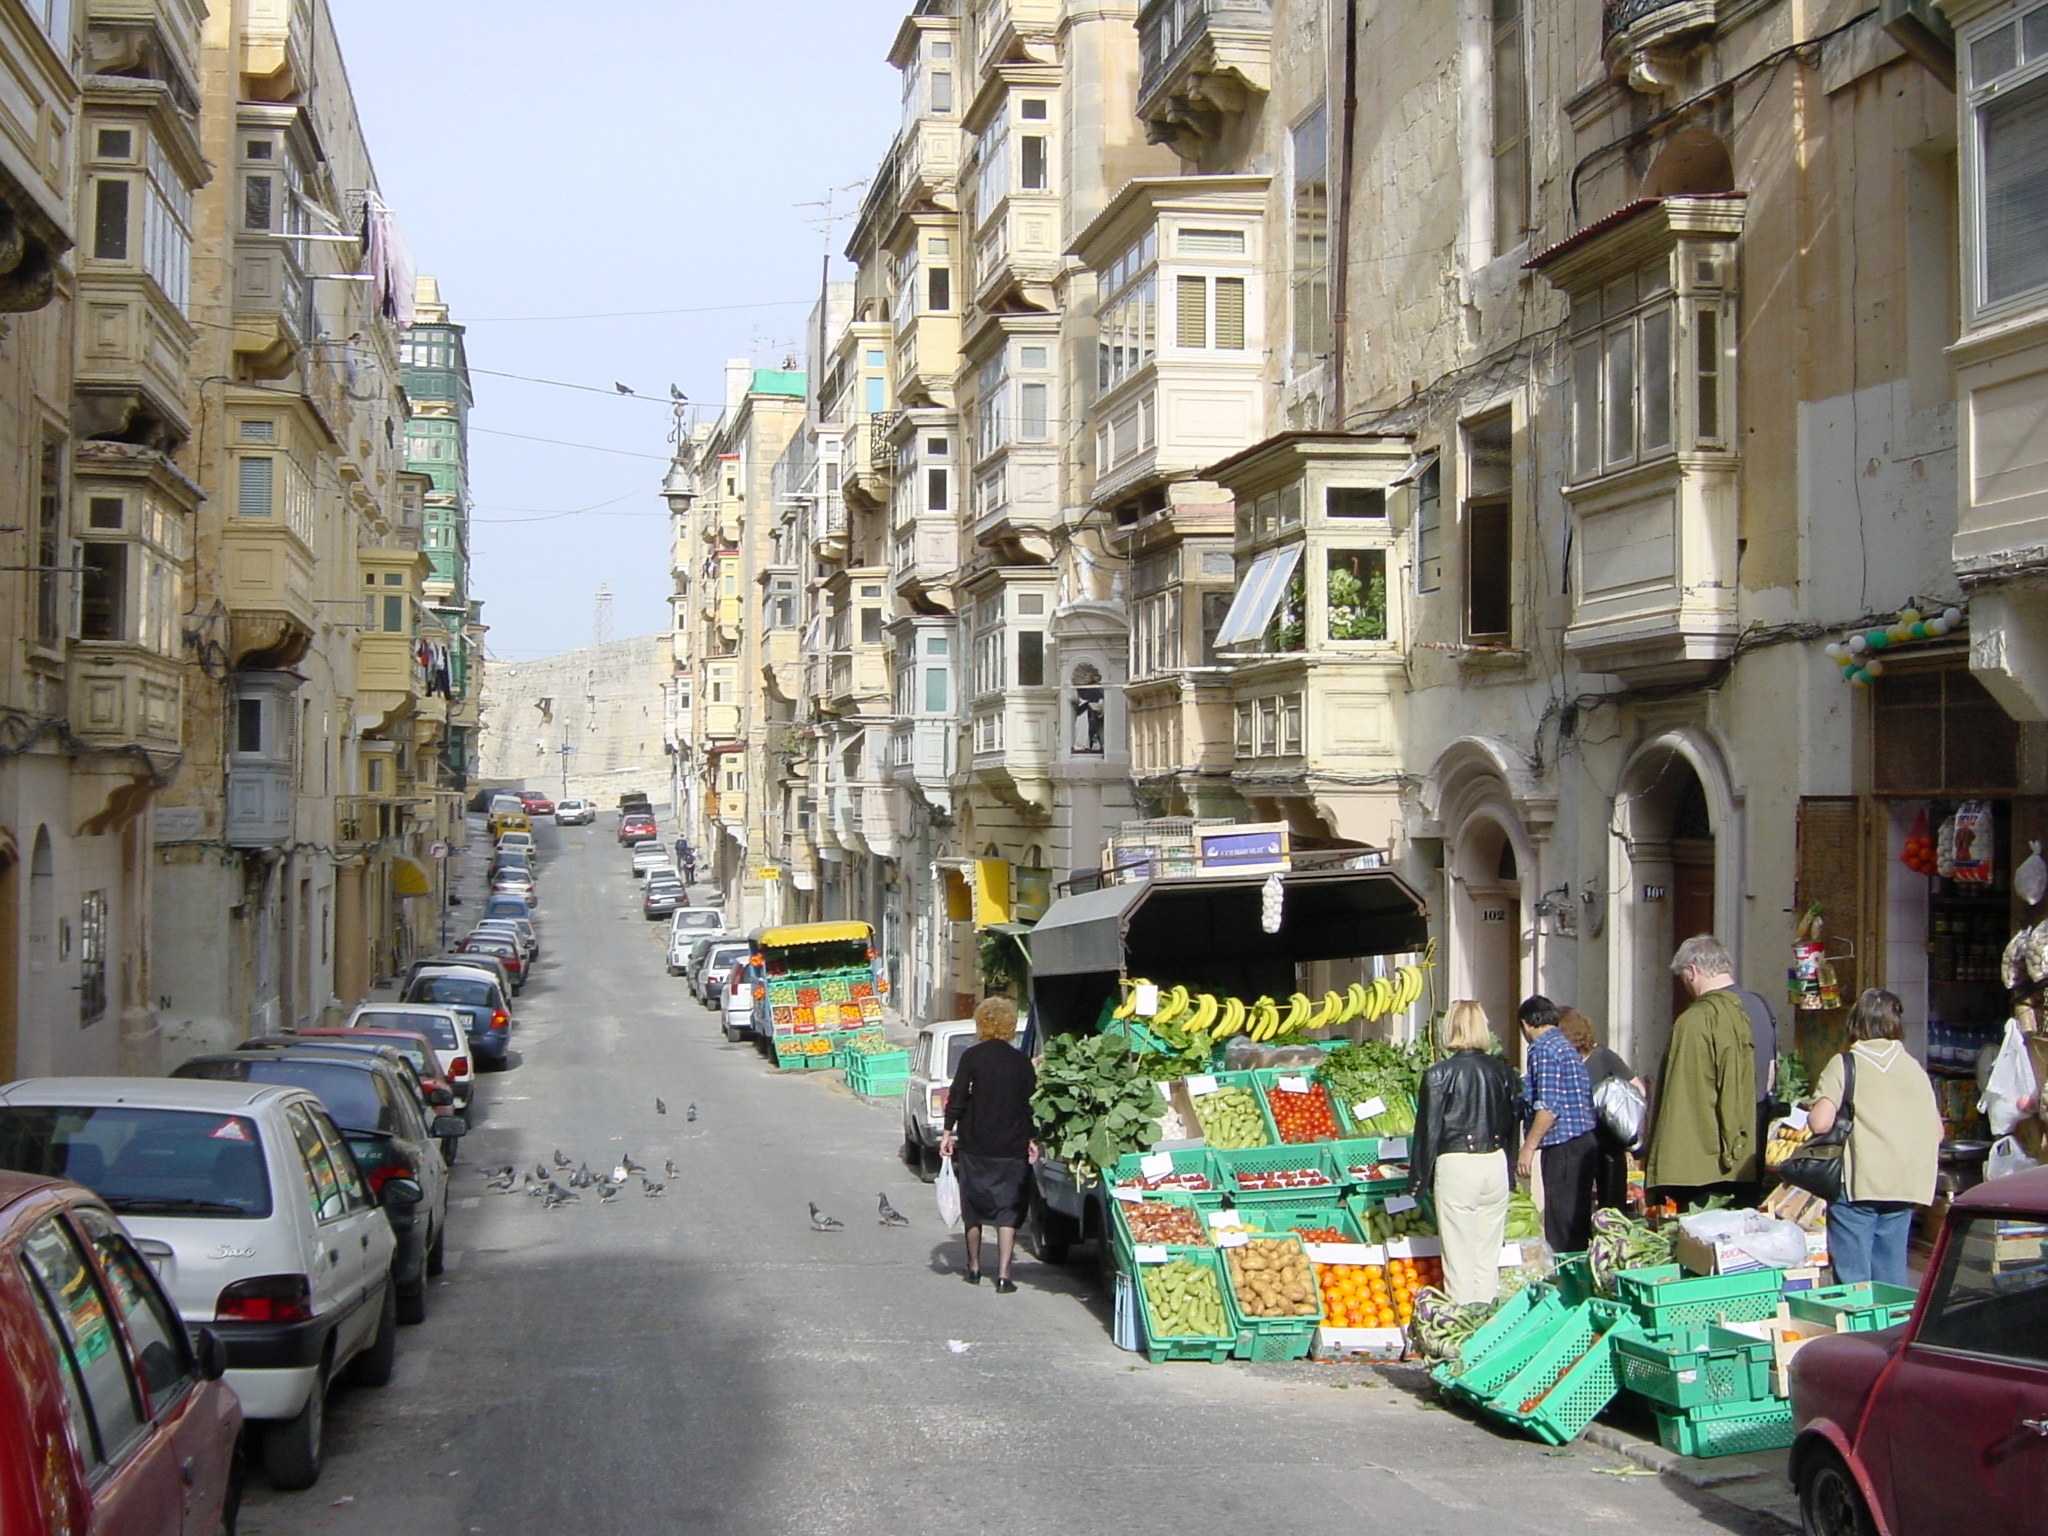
(2011, 1083)
(2006, 1157)
(948, 1191)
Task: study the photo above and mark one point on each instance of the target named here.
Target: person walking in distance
(1558, 1099)
(988, 1136)
(1465, 1125)
(1703, 1131)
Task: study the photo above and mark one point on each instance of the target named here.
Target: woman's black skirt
(993, 1190)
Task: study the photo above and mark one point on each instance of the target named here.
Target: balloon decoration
(1861, 655)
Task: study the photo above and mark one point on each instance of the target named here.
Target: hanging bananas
(1187, 1020)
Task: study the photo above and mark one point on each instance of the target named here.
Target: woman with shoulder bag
(1467, 1123)
(1610, 1159)
(1890, 1157)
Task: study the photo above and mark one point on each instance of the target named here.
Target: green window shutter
(1191, 312)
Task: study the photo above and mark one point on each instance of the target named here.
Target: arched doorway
(1487, 917)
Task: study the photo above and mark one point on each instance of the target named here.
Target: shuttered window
(255, 485)
(1191, 312)
(1230, 314)
(1939, 732)
(1209, 312)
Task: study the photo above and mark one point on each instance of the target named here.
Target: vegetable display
(1284, 1178)
(1184, 1301)
(1620, 1242)
(1091, 1106)
(1192, 1180)
(1439, 1327)
(1524, 1220)
(1301, 1116)
(1271, 1277)
(1384, 1226)
(1230, 1119)
(1374, 1070)
(1356, 1296)
(1161, 1221)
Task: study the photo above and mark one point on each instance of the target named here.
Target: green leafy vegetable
(1093, 1102)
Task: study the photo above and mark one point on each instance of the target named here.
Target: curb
(1754, 1484)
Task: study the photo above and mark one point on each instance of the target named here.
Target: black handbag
(1817, 1167)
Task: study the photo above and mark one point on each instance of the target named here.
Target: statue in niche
(1090, 703)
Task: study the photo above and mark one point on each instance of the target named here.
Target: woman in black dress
(988, 1136)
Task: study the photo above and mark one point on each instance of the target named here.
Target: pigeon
(626, 1162)
(557, 1196)
(677, 395)
(820, 1222)
(582, 1178)
(540, 1172)
(502, 1184)
(650, 1189)
(621, 388)
(560, 1161)
(533, 1186)
(505, 1172)
(607, 1193)
(891, 1217)
(690, 1113)
(660, 1108)
(671, 1169)
(556, 1191)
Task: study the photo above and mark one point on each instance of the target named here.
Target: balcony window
(103, 592)
(1622, 372)
(937, 489)
(1489, 528)
(1030, 658)
(1429, 527)
(1209, 313)
(110, 195)
(2006, 85)
(941, 99)
(1309, 272)
(255, 485)
(1355, 594)
(939, 290)
(936, 701)
(1508, 111)
(1258, 597)
(1127, 318)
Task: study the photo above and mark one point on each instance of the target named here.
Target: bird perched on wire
(671, 1169)
(891, 1217)
(660, 1108)
(820, 1222)
(621, 388)
(677, 395)
(690, 1113)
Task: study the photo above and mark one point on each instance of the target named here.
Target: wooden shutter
(254, 484)
(1230, 314)
(1191, 312)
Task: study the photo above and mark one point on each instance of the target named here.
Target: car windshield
(697, 919)
(178, 1161)
(351, 1098)
(436, 1027)
(477, 993)
(411, 1050)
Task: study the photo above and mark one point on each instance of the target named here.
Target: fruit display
(1196, 1021)
(1183, 1300)
(1271, 1277)
(870, 1042)
(1357, 1296)
(1193, 1179)
(1321, 1234)
(1384, 1226)
(1785, 1140)
(1230, 1119)
(1300, 1116)
(1377, 1173)
(1405, 1277)
(1161, 1221)
(1285, 1178)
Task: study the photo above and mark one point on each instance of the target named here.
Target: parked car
(636, 828)
(650, 856)
(515, 842)
(518, 929)
(430, 1095)
(575, 813)
(660, 899)
(718, 957)
(736, 1002)
(537, 804)
(507, 904)
(487, 1017)
(441, 1026)
(699, 920)
(419, 1054)
(1940, 1424)
(387, 1130)
(505, 948)
(117, 1417)
(504, 804)
(237, 1194)
(521, 886)
(491, 965)
(934, 1058)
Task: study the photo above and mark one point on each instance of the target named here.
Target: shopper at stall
(1894, 1143)
(1465, 1124)
(1557, 1098)
(1610, 1152)
(988, 1136)
(1703, 1133)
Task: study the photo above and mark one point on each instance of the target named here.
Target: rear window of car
(956, 1047)
(436, 1028)
(455, 990)
(149, 1161)
(697, 919)
(349, 1093)
(726, 954)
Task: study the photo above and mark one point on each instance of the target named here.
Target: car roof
(395, 1007)
(945, 1026)
(2021, 1193)
(145, 1092)
(16, 1187)
(365, 1061)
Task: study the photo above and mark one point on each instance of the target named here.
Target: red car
(536, 803)
(635, 829)
(132, 1427)
(1939, 1425)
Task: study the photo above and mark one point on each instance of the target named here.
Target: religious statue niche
(1090, 701)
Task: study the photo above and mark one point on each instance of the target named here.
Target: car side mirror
(402, 1192)
(450, 1125)
(210, 1354)
(440, 1096)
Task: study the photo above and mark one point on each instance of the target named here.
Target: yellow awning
(813, 933)
(409, 877)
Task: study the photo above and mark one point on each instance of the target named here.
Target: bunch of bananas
(1187, 1019)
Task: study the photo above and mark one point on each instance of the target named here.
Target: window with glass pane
(2013, 130)
(1992, 1295)
(935, 702)
(1355, 594)
(110, 220)
(75, 1303)
(1030, 658)
(1509, 109)
(1623, 405)
(1489, 524)
(1034, 411)
(1309, 273)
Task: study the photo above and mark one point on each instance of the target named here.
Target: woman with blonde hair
(1467, 1122)
(988, 1136)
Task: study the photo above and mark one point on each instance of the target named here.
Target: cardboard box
(1723, 1257)
(1787, 1336)
(1360, 1343)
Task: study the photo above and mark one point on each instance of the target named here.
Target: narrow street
(702, 1361)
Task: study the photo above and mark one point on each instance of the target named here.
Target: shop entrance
(1487, 926)
(1669, 870)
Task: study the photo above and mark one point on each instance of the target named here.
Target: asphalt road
(704, 1362)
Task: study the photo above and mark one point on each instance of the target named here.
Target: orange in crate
(1407, 1276)
(1356, 1296)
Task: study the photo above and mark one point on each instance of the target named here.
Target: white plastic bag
(2031, 878)
(947, 1188)
(1772, 1243)
(1621, 1109)
(2011, 1083)
(2007, 1156)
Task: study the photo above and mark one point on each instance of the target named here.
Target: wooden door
(1692, 902)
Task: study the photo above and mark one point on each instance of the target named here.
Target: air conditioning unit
(1919, 27)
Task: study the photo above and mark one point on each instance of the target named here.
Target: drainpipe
(1340, 280)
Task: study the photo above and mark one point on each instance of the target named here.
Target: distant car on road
(736, 1003)
(575, 813)
(536, 803)
(661, 898)
(718, 957)
(637, 828)
(650, 856)
(119, 1412)
(487, 1016)
(1939, 1425)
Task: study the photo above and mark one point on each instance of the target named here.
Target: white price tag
(1396, 1204)
(1291, 1084)
(1346, 1253)
(1199, 1085)
(1149, 1253)
(1369, 1109)
(1511, 1256)
(1146, 1000)
(1156, 1165)
(1232, 1239)
(1133, 1196)
(1393, 1147)
(1223, 1218)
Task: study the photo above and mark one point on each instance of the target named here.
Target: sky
(614, 158)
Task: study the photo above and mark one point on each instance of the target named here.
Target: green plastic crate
(1308, 1211)
(1863, 1307)
(1348, 1150)
(1573, 1277)
(1185, 1160)
(1366, 1197)
(1695, 1367)
(1160, 1349)
(1305, 1156)
(1265, 1340)
(1568, 1381)
(1503, 1344)
(1727, 1430)
(1123, 1242)
(1235, 1080)
(1263, 1080)
(1664, 1297)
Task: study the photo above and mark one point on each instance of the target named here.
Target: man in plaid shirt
(1557, 1098)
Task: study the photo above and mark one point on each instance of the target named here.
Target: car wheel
(1830, 1503)
(411, 1305)
(912, 1150)
(927, 1163)
(437, 1255)
(291, 1447)
(372, 1368)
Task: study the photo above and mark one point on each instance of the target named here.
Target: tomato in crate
(1301, 1115)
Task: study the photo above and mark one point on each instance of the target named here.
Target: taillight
(266, 1299)
(383, 1173)
(938, 1101)
(459, 1067)
(499, 1019)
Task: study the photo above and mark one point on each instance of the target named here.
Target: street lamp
(565, 749)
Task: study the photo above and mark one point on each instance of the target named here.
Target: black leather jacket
(1469, 1102)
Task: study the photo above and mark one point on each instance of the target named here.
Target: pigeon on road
(502, 1184)
(820, 1222)
(560, 1160)
(504, 1172)
(649, 1188)
(582, 1178)
(626, 1162)
(607, 1193)
(660, 1108)
(671, 1169)
(690, 1113)
(557, 1196)
(891, 1217)
(540, 1173)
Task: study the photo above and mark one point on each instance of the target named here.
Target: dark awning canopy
(1174, 925)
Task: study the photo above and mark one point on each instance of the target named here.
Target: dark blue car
(485, 1017)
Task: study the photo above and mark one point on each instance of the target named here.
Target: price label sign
(1393, 1146)
(1396, 1204)
(1511, 1256)
(1370, 1109)
(1133, 1196)
(1156, 1165)
(1146, 999)
(1232, 1239)
(1149, 1253)
(1291, 1084)
(1223, 1218)
(1197, 1086)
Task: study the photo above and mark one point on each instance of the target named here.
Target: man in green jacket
(1703, 1140)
